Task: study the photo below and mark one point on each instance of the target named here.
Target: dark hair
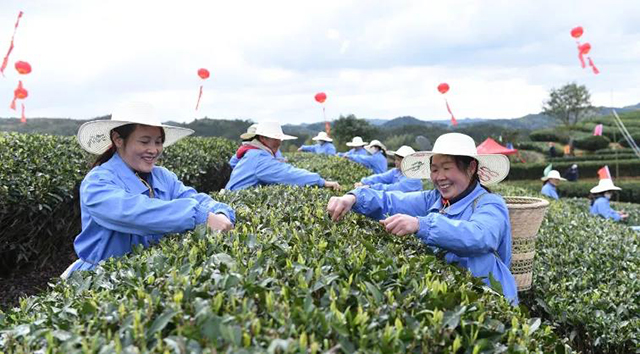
(124, 131)
(463, 163)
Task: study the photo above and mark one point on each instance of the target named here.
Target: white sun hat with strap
(251, 132)
(272, 130)
(492, 168)
(403, 151)
(322, 136)
(376, 143)
(356, 141)
(95, 136)
(553, 174)
(604, 185)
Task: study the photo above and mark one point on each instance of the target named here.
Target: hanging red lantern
(577, 32)
(321, 97)
(203, 73)
(443, 88)
(23, 67)
(18, 94)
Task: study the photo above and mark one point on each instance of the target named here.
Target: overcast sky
(374, 59)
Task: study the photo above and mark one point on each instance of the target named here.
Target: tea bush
(287, 279)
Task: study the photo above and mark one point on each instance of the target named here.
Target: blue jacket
(233, 161)
(477, 238)
(117, 212)
(601, 207)
(376, 162)
(354, 151)
(320, 148)
(258, 167)
(392, 180)
(550, 191)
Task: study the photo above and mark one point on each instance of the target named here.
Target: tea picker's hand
(401, 224)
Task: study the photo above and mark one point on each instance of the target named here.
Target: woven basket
(526, 215)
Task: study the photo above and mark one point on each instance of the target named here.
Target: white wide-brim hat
(376, 143)
(403, 151)
(95, 136)
(604, 185)
(492, 168)
(553, 174)
(272, 130)
(251, 132)
(356, 141)
(322, 136)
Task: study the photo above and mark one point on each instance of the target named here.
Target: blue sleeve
(270, 171)
(403, 185)
(386, 178)
(233, 161)
(480, 234)
(307, 148)
(330, 150)
(379, 204)
(365, 160)
(179, 190)
(605, 210)
(116, 209)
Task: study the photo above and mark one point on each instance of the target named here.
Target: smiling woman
(126, 200)
(460, 216)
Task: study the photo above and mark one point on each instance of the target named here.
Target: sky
(373, 59)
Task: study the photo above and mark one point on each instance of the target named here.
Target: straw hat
(553, 174)
(250, 134)
(272, 130)
(95, 136)
(356, 141)
(376, 143)
(604, 185)
(403, 151)
(322, 136)
(492, 168)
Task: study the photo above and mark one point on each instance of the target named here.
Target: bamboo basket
(526, 215)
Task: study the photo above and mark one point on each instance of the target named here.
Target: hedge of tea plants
(587, 276)
(39, 180)
(286, 280)
(331, 168)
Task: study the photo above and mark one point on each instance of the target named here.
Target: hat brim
(247, 136)
(94, 136)
(356, 144)
(596, 190)
(546, 178)
(315, 138)
(279, 136)
(492, 168)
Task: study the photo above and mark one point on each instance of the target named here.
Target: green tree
(569, 104)
(345, 128)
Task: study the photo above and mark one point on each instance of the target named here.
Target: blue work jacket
(392, 180)
(258, 167)
(602, 207)
(320, 148)
(117, 212)
(233, 161)
(376, 162)
(475, 237)
(550, 191)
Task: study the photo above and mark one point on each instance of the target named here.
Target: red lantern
(203, 73)
(23, 67)
(321, 97)
(18, 94)
(577, 32)
(443, 88)
(584, 48)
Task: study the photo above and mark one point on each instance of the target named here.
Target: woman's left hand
(401, 224)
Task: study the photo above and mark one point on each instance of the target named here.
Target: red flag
(6, 57)
(604, 173)
(454, 122)
(597, 131)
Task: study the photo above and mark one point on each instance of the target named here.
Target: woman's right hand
(219, 222)
(358, 184)
(332, 185)
(339, 206)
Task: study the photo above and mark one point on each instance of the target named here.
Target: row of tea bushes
(286, 280)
